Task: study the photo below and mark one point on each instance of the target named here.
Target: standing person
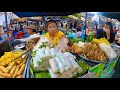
(115, 30)
(25, 32)
(100, 32)
(117, 38)
(71, 25)
(79, 27)
(61, 24)
(108, 32)
(20, 33)
(75, 25)
(42, 30)
(15, 31)
(21, 28)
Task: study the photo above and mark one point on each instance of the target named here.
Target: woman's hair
(34, 30)
(110, 25)
(112, 34)
(50, 21)
(21, 27)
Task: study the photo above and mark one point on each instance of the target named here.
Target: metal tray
(94, 61)
(26, 67)
(28, 73)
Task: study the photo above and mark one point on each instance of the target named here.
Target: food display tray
(26, 67)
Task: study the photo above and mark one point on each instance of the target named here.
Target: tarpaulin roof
(31, 14)
(114, 15)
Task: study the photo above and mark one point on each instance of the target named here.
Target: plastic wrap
(69, 55)
(73, 62)
(41, 53)
(53, 75)
(47, 52)
(59, 64)
(53, 65)
(53, 52)
(108, 50)
(63, 61)
(62, 45)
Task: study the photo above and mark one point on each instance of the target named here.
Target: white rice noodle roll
(73, 62)
(52, 52)
(63, 61)
(52, 74)
(59, 64)
(108, 50)
(68, 63)
(79, 69)
(68, 73)
(53, 65)
(41, 53)
(69, 55)
(47, 53)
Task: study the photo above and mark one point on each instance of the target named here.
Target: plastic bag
(62, 45)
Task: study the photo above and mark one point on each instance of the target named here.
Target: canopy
(114, 15)
(31, 14)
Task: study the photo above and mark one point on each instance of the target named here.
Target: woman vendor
(31, 29)
(57, 37)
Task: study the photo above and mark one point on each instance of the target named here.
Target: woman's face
(52, 28)
(29, 31)
(41, 27)
(80, 26)
(106, 26)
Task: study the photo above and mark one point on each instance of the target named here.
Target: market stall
(89, 67)
(92, 58)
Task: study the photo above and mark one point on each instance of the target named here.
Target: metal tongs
(23, 53)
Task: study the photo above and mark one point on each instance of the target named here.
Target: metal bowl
(95, 61)
(19, 46)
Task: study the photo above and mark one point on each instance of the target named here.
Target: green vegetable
(75, 40)
(58, 72)
(42, 75)
(84, 66)
(39, 74)
(89, 38)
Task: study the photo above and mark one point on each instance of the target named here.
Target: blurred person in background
(100, 32)
(31, 29)
(115, 30)
(117, 38)
(108, 32)
(42, 30)
(79, 27)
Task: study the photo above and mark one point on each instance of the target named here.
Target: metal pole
(85, 24)
(9, 40)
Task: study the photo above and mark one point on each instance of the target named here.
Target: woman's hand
(62, 45)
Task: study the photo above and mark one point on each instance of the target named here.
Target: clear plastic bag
(62, 45)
